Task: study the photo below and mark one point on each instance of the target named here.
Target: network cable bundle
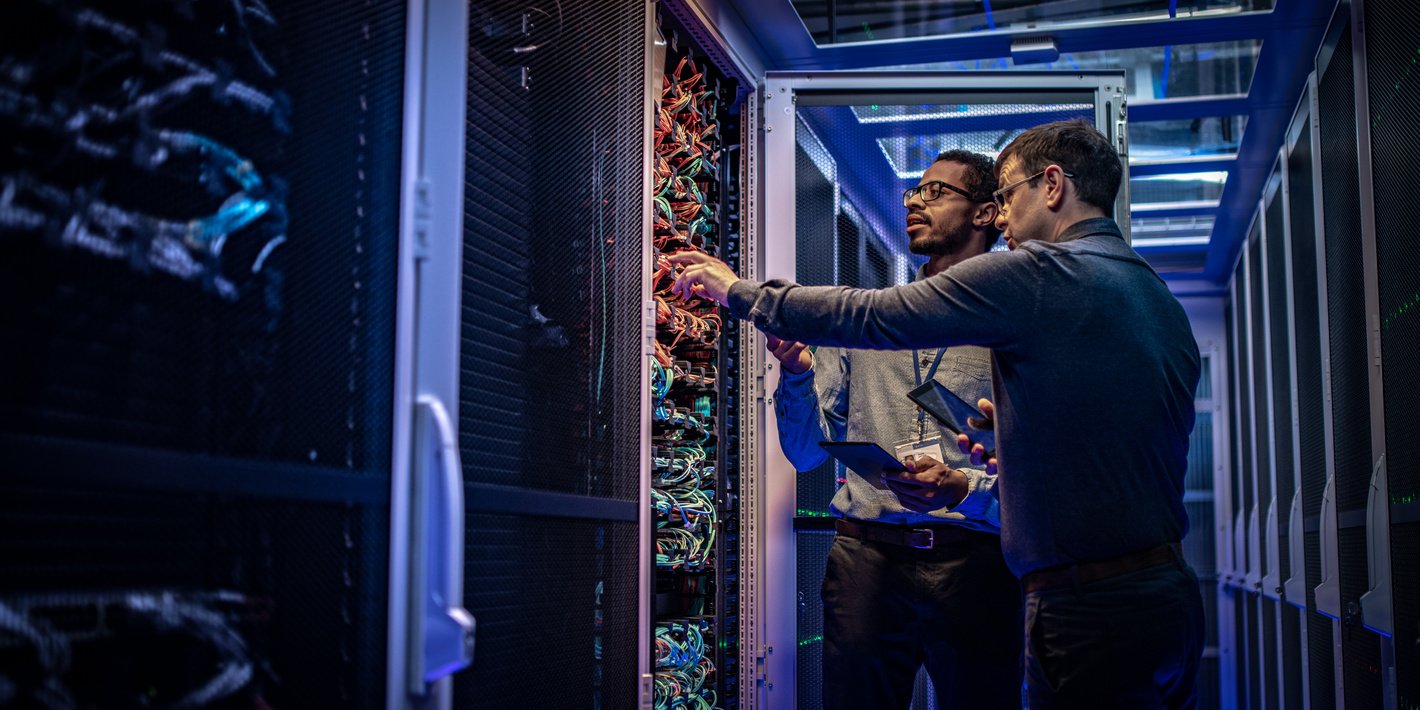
(133, 649)
(98, 122)
(692, 387)
(199, 205)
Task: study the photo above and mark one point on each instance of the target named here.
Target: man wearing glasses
(1094, 366)
(915, 575)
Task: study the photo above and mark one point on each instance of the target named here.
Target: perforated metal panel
(1394, 95)
(1252, 658)
(1230, 325)
(1345, 282)
(1405, 545)
(1199, 476)
(1240, 656)
(1284, 479)
(812, 554)
(552, 296)
(550, 595)
(1306, 311)
(551, 345)
(164, 384)
(1321, 678)
(1270, 652)
(814, 218)
(312, 577)
(822, 254)
(1360, 648)
(1246, 442)
(1350, 389)
(293, 363)
(1290, 694)
(1257, 328)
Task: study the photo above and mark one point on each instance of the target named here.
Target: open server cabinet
(599, 417)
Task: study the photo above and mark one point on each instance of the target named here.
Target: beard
(936, 243)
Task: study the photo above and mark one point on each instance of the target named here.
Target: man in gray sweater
(913, 577)
(1094, 367)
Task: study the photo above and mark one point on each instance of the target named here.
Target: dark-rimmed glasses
(931, 191)
(999, 196)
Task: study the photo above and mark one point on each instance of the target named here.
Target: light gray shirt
(861, 395)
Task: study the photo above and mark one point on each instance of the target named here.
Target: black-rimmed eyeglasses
(931, 191)
(999, 196)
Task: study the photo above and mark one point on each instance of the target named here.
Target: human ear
(985, 214)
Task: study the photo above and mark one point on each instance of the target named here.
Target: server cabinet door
(209, 393)
(552, 377)
(839, 149)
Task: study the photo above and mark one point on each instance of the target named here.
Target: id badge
(910, 450)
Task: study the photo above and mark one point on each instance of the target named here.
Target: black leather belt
(1087, 572)
(922, 538)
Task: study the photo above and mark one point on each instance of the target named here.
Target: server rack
(571, 426)
(1384, 29)
(1334, 285)
(695, 477)
(210, 238)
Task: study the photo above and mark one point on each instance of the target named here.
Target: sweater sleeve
(987, 300)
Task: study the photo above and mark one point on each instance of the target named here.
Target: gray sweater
(1094, 367)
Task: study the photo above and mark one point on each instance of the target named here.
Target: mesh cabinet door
(199, 242)
(551, 382)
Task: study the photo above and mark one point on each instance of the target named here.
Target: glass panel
(1151, 141)
(1180, 187)
(838, 21)
(910, 155)
(1176, 231)
(887, 113)
(1152, 73)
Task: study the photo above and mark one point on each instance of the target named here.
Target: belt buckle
(931, 538)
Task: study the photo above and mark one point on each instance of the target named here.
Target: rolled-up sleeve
(811, 407)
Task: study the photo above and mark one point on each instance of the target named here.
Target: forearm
(980, 502)
(800, 421)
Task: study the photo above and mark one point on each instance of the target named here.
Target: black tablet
(865, 458)
(952, 411)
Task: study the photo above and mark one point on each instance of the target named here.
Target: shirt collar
(1090, 227)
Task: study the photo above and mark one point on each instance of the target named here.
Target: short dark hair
(980, 176)
(980, 179)
(1077, 147)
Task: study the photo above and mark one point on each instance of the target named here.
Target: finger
(964, 443)
(910, 493)
(772, 342)
(987, 408)
(991, 467)
(978, 454)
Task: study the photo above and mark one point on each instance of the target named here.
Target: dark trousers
(1131, 641)
(890, 609)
